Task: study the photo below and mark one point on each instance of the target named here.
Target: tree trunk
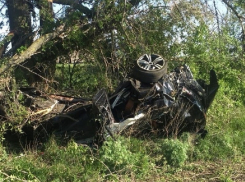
(20, 23)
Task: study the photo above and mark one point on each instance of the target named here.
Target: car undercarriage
(150, 101)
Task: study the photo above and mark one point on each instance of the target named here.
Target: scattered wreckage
(150, 101)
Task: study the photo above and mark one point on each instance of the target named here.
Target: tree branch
(76, 5)
(88, 12)
(66, 2)
(240, 19)
(31, 50)
(233, 9)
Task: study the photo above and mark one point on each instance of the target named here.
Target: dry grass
(228, 170)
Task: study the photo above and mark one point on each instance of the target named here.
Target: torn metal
(163, 104)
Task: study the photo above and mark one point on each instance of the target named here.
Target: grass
(218, 157)
(78, 163)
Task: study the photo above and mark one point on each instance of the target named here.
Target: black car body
(173, 104)
(149, 101)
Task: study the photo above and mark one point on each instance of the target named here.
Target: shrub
(3, 154)
(174, 152)
(118, 156)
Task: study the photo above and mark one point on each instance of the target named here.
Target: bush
(118, 156)
(174, 152)
(3, 154)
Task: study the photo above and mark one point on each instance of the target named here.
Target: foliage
(76, 77)
(223, 142)
(21, 49)
(174, 152)
(74, 162)
(117, 156)
(99, 50)
(123, 159)
(16, 113)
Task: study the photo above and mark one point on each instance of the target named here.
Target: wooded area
(73, 48)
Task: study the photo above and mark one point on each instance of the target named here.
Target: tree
(78, 16)
(19, 23)
(111, 33)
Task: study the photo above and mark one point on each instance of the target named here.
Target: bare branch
(217, 16)
(240, 19)
(233, 9)
(46, 80)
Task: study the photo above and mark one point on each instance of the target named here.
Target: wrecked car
(150, 101)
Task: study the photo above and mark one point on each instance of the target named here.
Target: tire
(149, 68)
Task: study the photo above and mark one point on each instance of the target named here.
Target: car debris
(149, 101)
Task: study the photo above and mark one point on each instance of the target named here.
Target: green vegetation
(97, 52)
(219, 156)
(83, 78)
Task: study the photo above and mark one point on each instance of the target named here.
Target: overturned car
(149, 101)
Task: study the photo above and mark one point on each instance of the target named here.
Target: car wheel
(149, 68)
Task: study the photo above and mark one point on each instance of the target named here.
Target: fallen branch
(30, 51)
(46, 80)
